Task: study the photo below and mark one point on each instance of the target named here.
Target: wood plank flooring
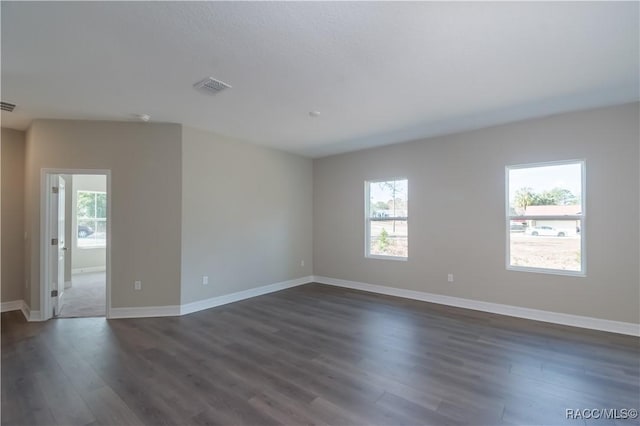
(313, 355)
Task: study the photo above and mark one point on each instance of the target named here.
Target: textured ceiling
(379, 73)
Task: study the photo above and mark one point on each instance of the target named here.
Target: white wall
(86, 258)
(457, 213)
(246, 215)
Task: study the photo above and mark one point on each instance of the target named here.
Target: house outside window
(545, 218)
(386, 217)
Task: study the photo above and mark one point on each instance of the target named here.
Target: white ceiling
(379, 73)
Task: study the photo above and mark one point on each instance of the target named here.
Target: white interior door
(59, 249)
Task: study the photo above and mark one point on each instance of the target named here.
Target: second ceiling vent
(211, 86)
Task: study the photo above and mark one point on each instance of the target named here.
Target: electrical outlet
(205, 280)
(450, 278)
(137, 285)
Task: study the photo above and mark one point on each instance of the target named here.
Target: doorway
(76, 243)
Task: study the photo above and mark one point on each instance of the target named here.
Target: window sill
(580, 274)
(381, 257)
(91, 247)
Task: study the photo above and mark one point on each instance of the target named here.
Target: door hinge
(54, 189)
(54, 293)
(54, 241)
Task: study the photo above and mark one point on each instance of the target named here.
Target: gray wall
(188, 203)
(456, 199)
(94, 258)
(145, 163)
(12, 151)
(246, 215)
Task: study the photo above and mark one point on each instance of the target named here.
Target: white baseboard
(13, 305)
(495, 308)
(26, 311)
(29, 314)
(188, 308)
(200, 305)
(145, 312)
(32, 315)
(88, 269)
(21, 305)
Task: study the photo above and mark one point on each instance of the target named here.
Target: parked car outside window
(547, 231)
(84, 231)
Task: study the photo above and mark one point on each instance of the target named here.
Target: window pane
(387, 210)
(546, 190)
(388, 238)
(101, 205)
(388, 199)
(553, 244)
(539, 199)
(91, 215)
(86, 232)
(100, 236)
(86, 204)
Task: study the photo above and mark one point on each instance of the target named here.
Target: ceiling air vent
(6, 106)
(211, 86)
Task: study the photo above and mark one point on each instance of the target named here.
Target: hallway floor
(86, 297)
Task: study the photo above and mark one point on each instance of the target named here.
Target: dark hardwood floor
(313, 354)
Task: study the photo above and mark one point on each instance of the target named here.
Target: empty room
(320, 213)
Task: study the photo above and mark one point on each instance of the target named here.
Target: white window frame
(581, 217)
(367, 220)
(87, 219)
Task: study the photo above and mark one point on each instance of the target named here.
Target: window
(546, 218)
(386, 209)
(91, 216)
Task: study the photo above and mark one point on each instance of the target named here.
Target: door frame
(46, 182)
